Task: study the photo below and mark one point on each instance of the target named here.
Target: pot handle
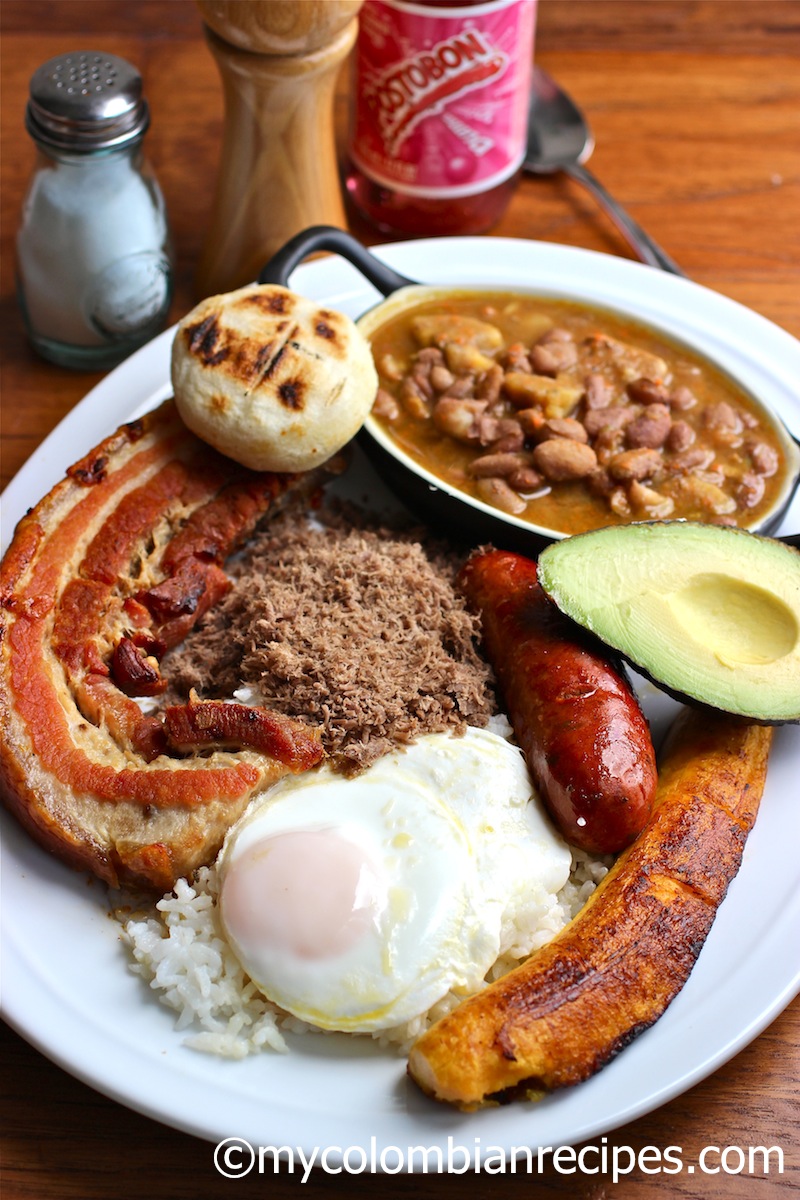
(328, 237)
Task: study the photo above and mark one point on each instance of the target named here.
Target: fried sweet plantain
(573, 1005)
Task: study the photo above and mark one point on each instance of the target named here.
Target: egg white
(454, 842)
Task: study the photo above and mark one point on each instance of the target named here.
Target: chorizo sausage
(584, 736)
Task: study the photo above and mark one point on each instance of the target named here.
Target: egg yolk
(309, 893)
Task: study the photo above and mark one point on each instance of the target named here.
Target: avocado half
(709, 613)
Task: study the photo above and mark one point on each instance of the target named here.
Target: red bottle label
(442, 95)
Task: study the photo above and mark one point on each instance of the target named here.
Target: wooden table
(695, 108)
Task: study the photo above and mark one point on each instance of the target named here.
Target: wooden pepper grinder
(278, 174)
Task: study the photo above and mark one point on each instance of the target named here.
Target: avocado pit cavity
(709, 613)
(737, 621)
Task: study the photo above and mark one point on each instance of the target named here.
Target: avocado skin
(768, 566)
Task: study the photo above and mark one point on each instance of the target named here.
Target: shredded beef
(353, 628)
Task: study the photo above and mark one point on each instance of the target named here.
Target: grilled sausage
(584, 736)
(573, 1005)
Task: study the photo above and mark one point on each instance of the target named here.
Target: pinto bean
(561, 459)
(414, 400)
(682, 398)
(616, 416)
(421, 374)
(599, 392)
(461, 388)
(507, 435)
(430, 354)
(601, 483)
(441, 378)
(526, 479)
(516, 358)
(565, 352)
(497, 492)
(551, 357)
(750, 490)
(543, 361)
(651, 428)
(556, 334)
(507, 426)
(764, 459)
(458, 418)
(385, 405)
(509, 443)
(723, 424)
(695, 459)
(680, 437)
(648, 391)
(488, 429)
(716, 477)
(490, 384)
(722, 417)
(501, 465)
(640, 463)
(564, 427)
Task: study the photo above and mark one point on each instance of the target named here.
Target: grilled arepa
(564, 1013)
(103, 576)
(271, 379)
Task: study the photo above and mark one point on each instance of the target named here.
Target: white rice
(181, 952)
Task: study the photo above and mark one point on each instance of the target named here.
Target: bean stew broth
(570, 417)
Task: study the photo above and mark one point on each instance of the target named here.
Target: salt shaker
(94, 269)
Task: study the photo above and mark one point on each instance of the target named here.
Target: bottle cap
(86, 101)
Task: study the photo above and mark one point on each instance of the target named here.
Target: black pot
(439, 505)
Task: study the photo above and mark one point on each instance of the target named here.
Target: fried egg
(357, 904)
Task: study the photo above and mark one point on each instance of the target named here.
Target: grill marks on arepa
(273, 363)
(271, 379)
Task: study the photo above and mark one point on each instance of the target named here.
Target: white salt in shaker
(94, 270)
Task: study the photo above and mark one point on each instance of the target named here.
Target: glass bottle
(94, 264)
(439, 113)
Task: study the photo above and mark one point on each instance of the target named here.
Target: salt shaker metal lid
(86, 101)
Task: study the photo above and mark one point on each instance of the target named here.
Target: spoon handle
(648, 250)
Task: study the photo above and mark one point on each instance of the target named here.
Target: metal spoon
(559, 139)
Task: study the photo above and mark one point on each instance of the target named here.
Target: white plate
(66, 985)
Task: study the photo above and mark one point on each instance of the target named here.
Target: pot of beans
(521, 417)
